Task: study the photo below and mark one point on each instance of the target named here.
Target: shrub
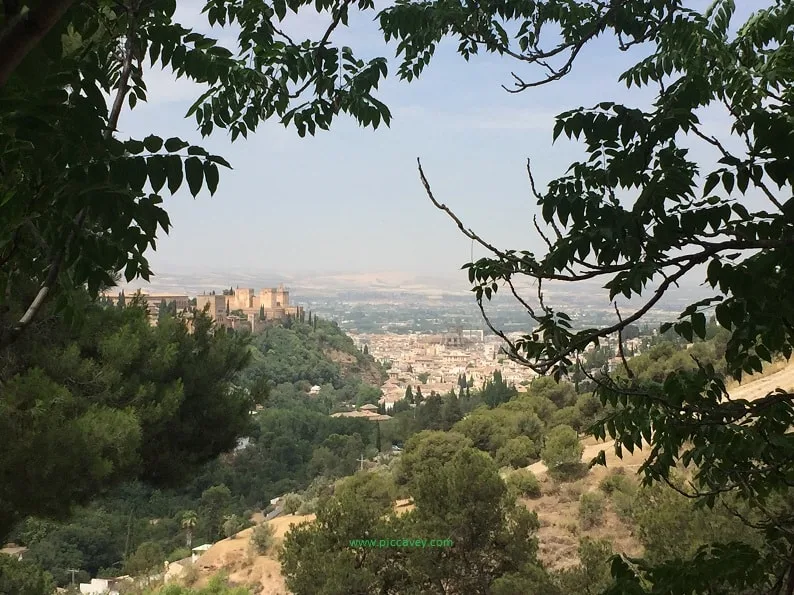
(319, 487)
(263, 538)
(591, 510)
(617, 481)
(623, 503)
(562, 452)
(571, 492)
(292, 502)
(232, 525)
(517, 452)
(524, 483)
(551, 488)
(190, 575)
(179, 553)
(562, 447)
(569, 472)
(308, 506)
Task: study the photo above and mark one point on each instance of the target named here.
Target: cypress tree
(409, 394)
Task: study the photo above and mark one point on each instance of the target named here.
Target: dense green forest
(292, 441)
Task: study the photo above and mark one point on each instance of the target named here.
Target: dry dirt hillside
(369, 373)
(557, 510)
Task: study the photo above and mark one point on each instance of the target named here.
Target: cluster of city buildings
(231, 308)
(434, 363)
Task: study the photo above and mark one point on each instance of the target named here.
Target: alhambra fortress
(232, 308)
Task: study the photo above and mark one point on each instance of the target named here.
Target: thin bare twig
(467, 232)
(620, 344)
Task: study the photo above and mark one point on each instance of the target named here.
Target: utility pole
(361, 460)
(73, 571)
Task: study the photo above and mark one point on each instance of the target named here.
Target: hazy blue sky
(350, 199)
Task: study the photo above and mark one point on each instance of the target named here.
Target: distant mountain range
(394, 284)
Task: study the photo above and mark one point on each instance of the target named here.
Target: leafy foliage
(86, 408)
(562, 448)
(592, 575)
(146, 560)
(23, 578)
(263, 538)
(461, 497)
(524, 482)
(591, 510)
(517, 452)
(640, 213)
(217, 585)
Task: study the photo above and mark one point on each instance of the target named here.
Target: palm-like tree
(189, 520)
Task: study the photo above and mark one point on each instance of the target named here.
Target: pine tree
(162, 310)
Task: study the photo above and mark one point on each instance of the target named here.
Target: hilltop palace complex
(232, 308)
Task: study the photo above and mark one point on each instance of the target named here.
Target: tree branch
(467, 232)
(25, 31)
(620, 344)
(58, 256)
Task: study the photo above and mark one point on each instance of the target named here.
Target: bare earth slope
(558, 508)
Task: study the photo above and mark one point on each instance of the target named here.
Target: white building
(198, 550)
(103, 586)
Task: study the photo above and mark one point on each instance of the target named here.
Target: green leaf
(172, 145)
(194, 172)
(713, 272)
(135, 147)
(699, 324)
(280, 7)
(763, 353)
(137, 173)
(211, 175)
(157, 172)
(153, 143)
(727, 181)
(173, 167)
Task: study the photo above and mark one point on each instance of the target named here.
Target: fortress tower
(243, 299)
(282, 297)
